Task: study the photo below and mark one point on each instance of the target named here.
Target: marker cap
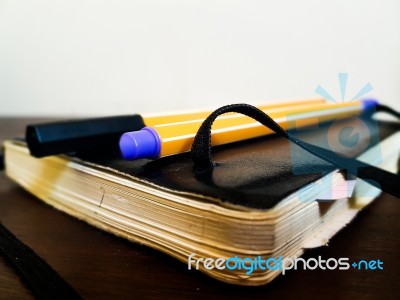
(144, 143)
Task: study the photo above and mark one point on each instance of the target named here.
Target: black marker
(78, 135)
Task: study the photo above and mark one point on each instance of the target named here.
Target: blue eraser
(144, 143)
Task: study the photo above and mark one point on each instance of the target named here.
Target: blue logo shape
(343, 86)
(346, 137)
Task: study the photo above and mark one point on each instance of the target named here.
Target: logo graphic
(348, 135)
(343, 86)
(252, 265)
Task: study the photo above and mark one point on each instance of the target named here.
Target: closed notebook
(252, 204)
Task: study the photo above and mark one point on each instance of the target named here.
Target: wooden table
(101, 266)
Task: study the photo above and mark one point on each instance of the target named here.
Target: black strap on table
(203, 164)
(42, 279)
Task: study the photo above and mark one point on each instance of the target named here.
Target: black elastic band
(1, 160)
(201, 149)
(43, 281)
(387, 109)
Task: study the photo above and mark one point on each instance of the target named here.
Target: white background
(118, 57)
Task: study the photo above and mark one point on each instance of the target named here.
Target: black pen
(79, 135)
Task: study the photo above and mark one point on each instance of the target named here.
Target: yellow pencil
(177, 136)
(163, 119)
